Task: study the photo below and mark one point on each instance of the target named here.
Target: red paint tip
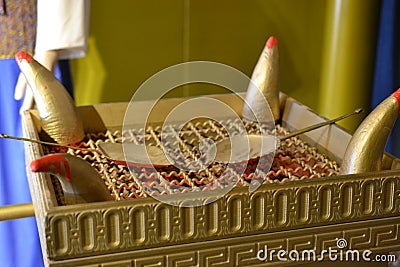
(21, 55)
(53, 163)
(35, 165)
(397, 96)
(272, 41)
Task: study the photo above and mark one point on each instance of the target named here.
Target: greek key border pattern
(383, 236)
(139, 225)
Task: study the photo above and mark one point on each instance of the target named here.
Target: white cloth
(63, 25)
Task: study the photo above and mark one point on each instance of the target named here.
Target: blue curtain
(19, 240)
(387, 71)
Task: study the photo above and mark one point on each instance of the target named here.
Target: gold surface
(11, 212)
(367, 146)
(311, 213)
(264, 79)
(58, 115)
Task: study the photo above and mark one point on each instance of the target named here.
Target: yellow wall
(130, 40)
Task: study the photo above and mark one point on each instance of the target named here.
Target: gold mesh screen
(293, 160)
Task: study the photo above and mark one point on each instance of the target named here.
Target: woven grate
(293, 160)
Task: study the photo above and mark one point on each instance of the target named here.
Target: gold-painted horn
(80, 181)
(265, 78)
(365, 151)
(58, 115)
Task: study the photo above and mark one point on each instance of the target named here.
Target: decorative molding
(382, 236)
(135, 225)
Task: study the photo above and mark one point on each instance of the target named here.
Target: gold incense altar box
(297, 214)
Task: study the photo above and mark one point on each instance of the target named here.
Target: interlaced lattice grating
(293, 160)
